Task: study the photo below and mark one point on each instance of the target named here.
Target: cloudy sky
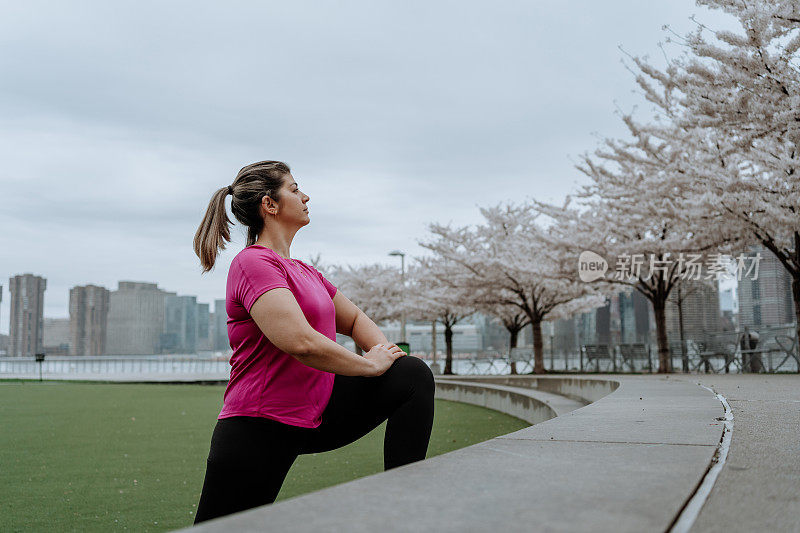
(118, 120)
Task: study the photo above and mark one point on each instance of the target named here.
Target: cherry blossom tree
(505, 263)
(513, 319)
(682, 291)
(431, 295)
(375, 289)
(641, 211)
(732, 99)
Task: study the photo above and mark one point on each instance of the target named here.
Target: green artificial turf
(103, 457)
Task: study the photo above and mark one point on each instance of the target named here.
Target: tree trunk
(661, 335)
(796, 296)
(538, 347)
(684, 355)
(448, 341)
(512, 343)
(434, 364)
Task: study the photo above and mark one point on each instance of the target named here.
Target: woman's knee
(414, 370)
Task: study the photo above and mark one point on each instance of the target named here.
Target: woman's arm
(278, 315)
(352, 321)
(366, 333)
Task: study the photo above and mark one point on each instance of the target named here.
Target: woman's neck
(281, 252)
(277, 238)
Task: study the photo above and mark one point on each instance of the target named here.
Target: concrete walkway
(626, 462)
(758, 488)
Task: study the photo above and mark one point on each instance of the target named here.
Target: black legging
(250, 456)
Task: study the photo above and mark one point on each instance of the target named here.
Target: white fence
(118, 368)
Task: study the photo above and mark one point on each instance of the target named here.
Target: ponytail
(214, 231)
(253, 182)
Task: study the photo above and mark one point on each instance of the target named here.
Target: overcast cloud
(118, 120)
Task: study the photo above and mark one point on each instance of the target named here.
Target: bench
(597, 353)
(630, 353)
(717, 350)
(788, 346)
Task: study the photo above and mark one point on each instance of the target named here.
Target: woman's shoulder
(255, 254)
(310, 267)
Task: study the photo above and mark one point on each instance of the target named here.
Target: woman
(293, 389)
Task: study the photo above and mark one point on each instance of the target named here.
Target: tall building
(203, 328)
(624, 319)
(495, 336)
(766, 300)
(26, 320)
(634, 317)
(565, 335)
(700, 310)
(88, 320)
(56, 336)
(727, 300)
(135, 319)
(466, 337)
(594, 326)
(220, 326)
(180, 324)
(729, 307)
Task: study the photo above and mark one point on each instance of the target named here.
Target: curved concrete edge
(688, 516)
(527, 404)
(626, 462)
(586, 390)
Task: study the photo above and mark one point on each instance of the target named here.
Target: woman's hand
(382, 356)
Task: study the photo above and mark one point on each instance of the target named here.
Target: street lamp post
(402, 293)
(40, 360)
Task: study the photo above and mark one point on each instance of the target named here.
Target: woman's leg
(403, 395)
(246, 466)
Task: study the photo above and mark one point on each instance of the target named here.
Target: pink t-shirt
(264, 380)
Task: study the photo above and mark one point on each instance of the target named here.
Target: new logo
(591, 266)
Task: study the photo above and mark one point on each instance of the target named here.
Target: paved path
(758, 489)
(626, 462)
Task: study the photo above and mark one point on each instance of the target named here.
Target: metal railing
(130, 367)
(775, 351)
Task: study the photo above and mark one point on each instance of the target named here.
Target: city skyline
(126, 312)
(390, 119)
(147, 319)
(725, 283)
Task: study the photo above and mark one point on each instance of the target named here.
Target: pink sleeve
(259, 273)
(328, 285)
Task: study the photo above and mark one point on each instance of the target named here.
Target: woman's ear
(270, 207)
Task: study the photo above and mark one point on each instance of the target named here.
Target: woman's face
(292, 205)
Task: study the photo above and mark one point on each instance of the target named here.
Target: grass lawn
(102, 457)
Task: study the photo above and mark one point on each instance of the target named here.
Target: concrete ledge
(626, 462)
(585, 390)
(527, 404)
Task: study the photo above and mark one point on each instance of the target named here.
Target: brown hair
(248, 190)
